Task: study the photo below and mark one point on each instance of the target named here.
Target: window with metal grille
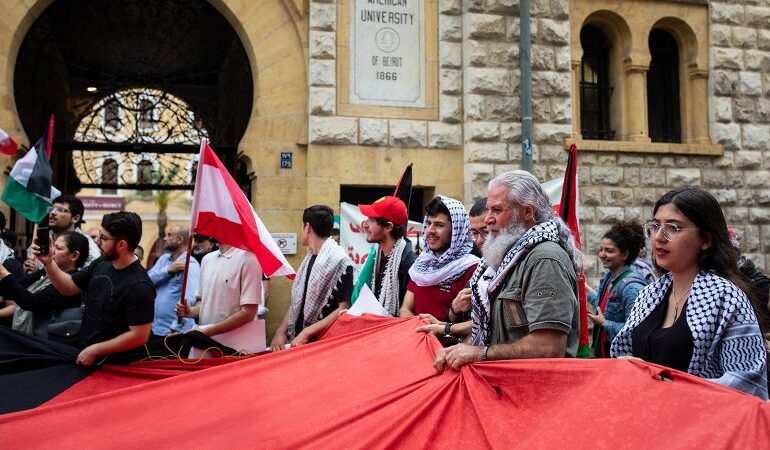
(595, 89)
(109, 175)
(663, 114)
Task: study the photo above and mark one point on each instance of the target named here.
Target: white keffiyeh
(329, 266)
(431, 269)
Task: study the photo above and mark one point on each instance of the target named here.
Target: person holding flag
(530, 309)
(230, 288)
(118, 295)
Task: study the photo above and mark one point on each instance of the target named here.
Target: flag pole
(184, 276)
(191, 230)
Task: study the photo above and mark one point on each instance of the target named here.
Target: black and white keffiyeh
(728, 347)
(492, 280)
(431, 269)
(480, 303)
(329, 266)
(389, 291)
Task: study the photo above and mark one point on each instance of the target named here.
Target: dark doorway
(78, 53)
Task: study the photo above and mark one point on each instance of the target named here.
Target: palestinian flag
(29, 189)
(563, 194)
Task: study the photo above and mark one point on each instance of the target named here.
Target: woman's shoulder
(709, 284)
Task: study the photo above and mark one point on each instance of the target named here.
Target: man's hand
(435, 327)
(462, 302)
(175, 267)
(279, 342)
(183, 310)
(457, 356)
(301, 339)
(598, 318)
(87, 356)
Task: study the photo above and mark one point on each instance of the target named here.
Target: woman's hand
(44, 259)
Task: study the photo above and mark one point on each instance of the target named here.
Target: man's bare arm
(317, 328)
(134, 337)
(541, 343)
(245, 314)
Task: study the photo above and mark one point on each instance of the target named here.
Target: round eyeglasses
(670, 230)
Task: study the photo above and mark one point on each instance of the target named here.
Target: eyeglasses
(102, 237)
(670, 230)
(483, 232)
(60, 210)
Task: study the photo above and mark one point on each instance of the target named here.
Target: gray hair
(524, 190)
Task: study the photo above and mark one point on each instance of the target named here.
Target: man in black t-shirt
(117, 293)
(323, 285)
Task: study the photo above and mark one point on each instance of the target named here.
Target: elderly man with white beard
(528, 306)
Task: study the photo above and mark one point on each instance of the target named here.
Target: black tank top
(670, 347)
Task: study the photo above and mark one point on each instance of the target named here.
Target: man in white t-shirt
(229, 291)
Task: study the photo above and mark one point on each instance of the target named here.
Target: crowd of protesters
(497, 282)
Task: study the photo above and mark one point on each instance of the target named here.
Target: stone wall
(740, 120)
(492, 119)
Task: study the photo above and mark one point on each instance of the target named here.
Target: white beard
(495, 248)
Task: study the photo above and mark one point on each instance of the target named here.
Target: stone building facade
(469, 128)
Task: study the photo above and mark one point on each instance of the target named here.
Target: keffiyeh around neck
(330, 264)
(389, 291)
(431, 269)
(545, 231)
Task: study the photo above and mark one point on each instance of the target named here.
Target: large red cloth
(369, 383)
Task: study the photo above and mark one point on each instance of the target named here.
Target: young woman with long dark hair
(696, 318)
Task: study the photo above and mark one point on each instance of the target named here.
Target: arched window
(112, 115)
(109, 175)
(144, 172)
(663, 114)
(595, 86)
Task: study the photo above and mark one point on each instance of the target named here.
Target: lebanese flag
(221, 210)
(563, 194)
(7, 145)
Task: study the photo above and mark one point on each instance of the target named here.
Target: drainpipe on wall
(525, 67)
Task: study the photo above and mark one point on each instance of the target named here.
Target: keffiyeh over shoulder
(728, 347)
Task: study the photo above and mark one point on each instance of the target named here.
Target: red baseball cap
(390, 208)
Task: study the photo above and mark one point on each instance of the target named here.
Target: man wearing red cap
(386, 227)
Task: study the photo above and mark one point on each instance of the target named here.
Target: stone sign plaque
(387, 53)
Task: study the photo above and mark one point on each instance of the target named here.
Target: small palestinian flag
(29, 189)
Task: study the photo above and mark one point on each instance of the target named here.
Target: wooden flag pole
(184, 276)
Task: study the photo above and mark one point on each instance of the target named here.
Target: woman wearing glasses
(619, 286)
(696, 318)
